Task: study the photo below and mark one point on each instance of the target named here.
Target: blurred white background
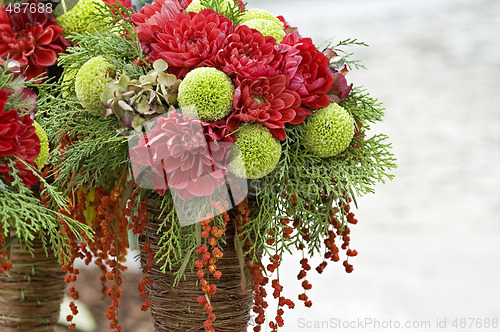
(428, 242)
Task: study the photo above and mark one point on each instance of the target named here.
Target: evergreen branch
(119, 51)
(320, 186)
(229, 9)
(364, 108)
(342, 58)
(23, 214)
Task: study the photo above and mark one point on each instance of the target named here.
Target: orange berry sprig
(110, 226)
(138, 225)
(277, 294)
(274, 266)
(5, 265)
(209, 253)
(107, 216)
(305, 283)
(256, 270)
(146, 280)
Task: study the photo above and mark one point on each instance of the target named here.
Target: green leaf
(182, 269)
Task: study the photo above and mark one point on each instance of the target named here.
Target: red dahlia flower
(268, 101)
(246, 53)
(191, 40)
(183, 156)
(32, 39)
(8, 129)
(152, 17)
(17, 138)
(312, 80)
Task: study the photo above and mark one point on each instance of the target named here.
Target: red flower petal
(44, 56)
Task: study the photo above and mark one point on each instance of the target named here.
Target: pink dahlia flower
(182, 156)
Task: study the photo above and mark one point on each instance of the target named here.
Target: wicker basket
(32, 291)
(176, 309)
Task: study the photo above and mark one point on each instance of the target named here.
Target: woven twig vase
(31, 292)
(176, 309)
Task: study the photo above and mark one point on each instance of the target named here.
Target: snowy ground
(428, 242)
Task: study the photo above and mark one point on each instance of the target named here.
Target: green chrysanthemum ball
(255, 152)
(195, 6)
(206, 93)
(90, 82)
(82, 18)
(68, 80)
(328, 131)
(253, 14)
(42, 157)
(267, 28)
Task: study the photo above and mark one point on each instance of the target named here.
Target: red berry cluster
(305, 283)
(344, 232)
(138, 221)
(5, 265)
(110, 244)
(282, 301)
(209, 253)
(106, 215)
(146, 281)
(138, 225)
(259, 281)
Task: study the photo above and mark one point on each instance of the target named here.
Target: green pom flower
(328, 131)
(255, 152)
(253, 14)
(68, 80)
(195, 6)
(82, 18)
(42, 157)
(206, 93)
(90, 82)
(267, 28)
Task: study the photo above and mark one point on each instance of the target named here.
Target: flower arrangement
(34, 220)
(24, 151)
(217, 119)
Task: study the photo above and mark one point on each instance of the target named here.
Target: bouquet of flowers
(214, 136)
(34, 219)
(33, 215)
